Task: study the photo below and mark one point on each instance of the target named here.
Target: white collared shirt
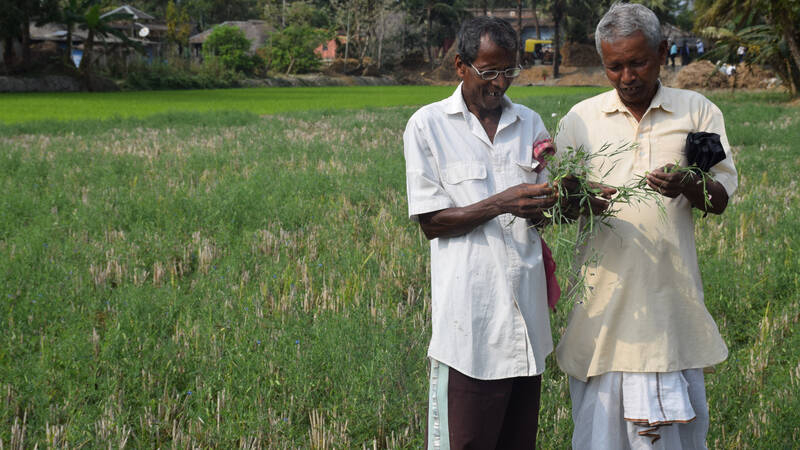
(489, 300)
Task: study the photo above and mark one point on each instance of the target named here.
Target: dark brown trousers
(493, 414)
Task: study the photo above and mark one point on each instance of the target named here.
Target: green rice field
(235, 269)
(73, 106)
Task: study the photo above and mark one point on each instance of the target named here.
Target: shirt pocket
(524, 173)
(466, 182)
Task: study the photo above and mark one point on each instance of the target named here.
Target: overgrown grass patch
(250, 279)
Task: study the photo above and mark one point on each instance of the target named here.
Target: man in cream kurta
(636, 344)
(645, 310)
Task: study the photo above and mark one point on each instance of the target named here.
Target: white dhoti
(623, 410)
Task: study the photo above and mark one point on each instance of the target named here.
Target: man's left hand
(706, 195)
(670, 182)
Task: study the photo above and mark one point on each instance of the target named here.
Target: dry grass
(259, 286)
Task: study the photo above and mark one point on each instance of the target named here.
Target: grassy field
(18, 108)
(223, 278)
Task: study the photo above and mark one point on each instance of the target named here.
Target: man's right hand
(598, 203)
(528, 201)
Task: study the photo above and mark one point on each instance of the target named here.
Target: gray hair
(625, 19)
(472, 30)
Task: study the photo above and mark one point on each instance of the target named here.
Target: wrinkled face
(632, 66)
(482, 95)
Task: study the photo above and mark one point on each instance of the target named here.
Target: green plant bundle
(573, 176)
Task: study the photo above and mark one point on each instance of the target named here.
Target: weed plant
(243, 281)
(576, 177)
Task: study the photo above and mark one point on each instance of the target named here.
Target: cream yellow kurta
(643, 310)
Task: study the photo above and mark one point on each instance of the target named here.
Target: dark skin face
(484, 98)
(632, 66)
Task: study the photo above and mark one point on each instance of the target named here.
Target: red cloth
(553, 289)
(542, 149)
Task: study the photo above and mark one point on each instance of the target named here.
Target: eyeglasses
(489, 75)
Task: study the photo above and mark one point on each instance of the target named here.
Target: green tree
(229, 45)
(71, 14)
(430, 23)
(292, 49)
(557, 10)
(769, 29)
(178, 26)
(99, 25)
(281, 14)
(206, 12)
(15, 20)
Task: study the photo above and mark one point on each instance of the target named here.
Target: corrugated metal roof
(135, 13)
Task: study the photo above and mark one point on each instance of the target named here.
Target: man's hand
(672, 183)
(528, 201)
(598, 203)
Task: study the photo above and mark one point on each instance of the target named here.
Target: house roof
(256, 31)
(674, 34)
(47, 32)
(58, 33)
(135, 13)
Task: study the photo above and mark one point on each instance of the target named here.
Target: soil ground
(700, 75)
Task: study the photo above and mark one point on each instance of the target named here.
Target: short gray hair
(625, 19)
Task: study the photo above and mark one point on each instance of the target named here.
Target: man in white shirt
(636, 345)
(477, 192)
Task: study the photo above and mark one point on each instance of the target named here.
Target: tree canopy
(769, 30)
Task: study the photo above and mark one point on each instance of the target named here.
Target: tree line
(391, 31)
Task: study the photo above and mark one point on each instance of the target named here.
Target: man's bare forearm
(528, 201)
(453, 222)
(717, 199)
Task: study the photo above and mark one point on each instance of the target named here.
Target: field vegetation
(39, 111)
(241, 273)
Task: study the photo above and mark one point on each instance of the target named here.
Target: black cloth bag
(704, 150)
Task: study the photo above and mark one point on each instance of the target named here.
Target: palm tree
(100, 25)
(771, 26)
(70, 15)
(446, 16)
